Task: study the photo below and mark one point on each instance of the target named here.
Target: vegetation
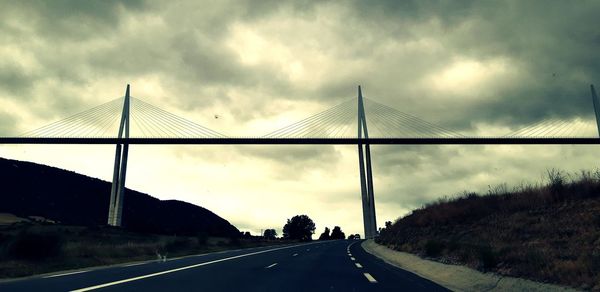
(546, 232)
(300, 227)
(270, 234)
(354, 236)
(325, 235)
(337, 233)
(31, 248)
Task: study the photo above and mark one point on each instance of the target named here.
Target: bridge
(128, 120)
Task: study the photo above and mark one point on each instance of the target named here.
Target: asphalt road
(319, 266)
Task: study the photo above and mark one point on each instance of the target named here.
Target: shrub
(35, 246)
(487, 257)
(433, 248)
(177, 244)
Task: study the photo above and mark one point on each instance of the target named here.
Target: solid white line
(370, 278)
(358, 265)
(178, 269)
(131, 265)
(271, 266)
(352, 258)
(66, 274)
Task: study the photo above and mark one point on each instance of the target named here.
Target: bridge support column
(596, 103)
(366, 175)
(117, 193)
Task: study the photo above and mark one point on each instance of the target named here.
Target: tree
(388, 225)
(337, 233)
(270, 234)
(325, 234)
(300, 227)
(351, 237)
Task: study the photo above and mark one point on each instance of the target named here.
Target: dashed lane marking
(358, 265)
(294, 254)
(180, 269)
(352, 258)
(268, 267)
(370, 278)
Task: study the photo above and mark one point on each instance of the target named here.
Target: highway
(340, 265)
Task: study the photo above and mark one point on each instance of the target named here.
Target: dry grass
(546, 232)
(28, 249)
(8, 218)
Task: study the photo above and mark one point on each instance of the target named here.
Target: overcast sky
(476, 67)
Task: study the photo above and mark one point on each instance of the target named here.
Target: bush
(433, 248)
(177, 244)
(35, 246)
(487, 258)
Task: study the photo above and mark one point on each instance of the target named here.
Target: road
(340, 265)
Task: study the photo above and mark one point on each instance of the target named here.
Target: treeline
(301, 227)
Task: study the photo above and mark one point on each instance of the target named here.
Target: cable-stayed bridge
(129, 120)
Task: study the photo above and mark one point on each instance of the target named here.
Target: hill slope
(548, 233)
(30, 189)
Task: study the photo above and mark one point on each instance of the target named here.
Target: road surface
(340, 265)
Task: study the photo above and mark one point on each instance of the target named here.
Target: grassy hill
(30, 189)
(548, 232)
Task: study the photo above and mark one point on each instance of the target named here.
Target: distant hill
(29, 189)
(548, 233)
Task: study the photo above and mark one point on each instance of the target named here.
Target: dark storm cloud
(15, 79)
(552, 44)
(72, 20)
(551, 50)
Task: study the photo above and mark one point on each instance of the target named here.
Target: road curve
(339, 265)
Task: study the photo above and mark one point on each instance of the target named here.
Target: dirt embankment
(546, 233)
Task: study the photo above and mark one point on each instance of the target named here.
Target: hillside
(549, 233)
(30, 189)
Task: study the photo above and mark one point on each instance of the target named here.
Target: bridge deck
(307, 141)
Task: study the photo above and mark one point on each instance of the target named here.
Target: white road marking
(271, 266)
(179, 269)
(370, 278)
(308, 249)
(358, 265)
(349, 254)
(294, 254)
(352, 258)
(66, 274)
(131, 265)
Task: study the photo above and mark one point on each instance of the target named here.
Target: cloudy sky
(476, 67)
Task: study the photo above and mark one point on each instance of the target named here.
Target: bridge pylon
(596, 103)
(366, 172)
(117, 193)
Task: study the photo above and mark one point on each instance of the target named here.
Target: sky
(476, 67)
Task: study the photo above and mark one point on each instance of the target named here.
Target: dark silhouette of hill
(30, 189)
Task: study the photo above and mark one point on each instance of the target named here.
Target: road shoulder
(453, 277)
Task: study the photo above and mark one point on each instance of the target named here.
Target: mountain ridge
(32, 189)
